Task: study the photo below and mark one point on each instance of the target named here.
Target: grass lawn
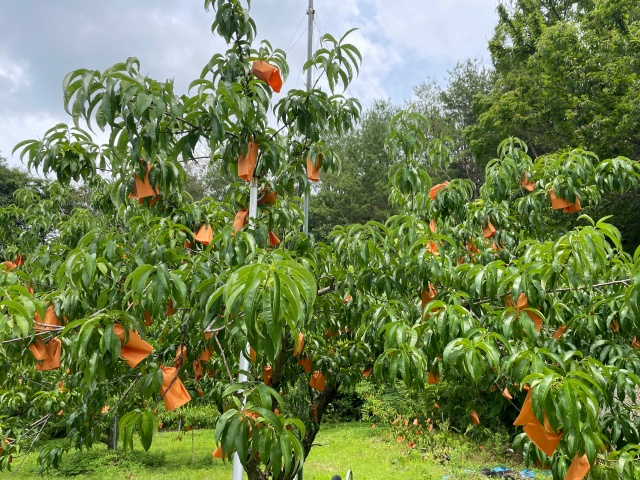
(370, 452)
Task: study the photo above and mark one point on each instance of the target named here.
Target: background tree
(566, 77)
(358, 193)
(452, 113)
(143, 258)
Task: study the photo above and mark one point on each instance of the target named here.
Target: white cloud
(17, 127)
(13, 72)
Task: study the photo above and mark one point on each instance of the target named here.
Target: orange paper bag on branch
(268, 74)
(274, 241)
(520, 305)
(578, 469)
(247, 163)
(488, 231)
(47, 355)
(564, 205)
(242, 218)
(427, 296)
(305, 363)
(173, 392)
(267, 373)
(317, 381)
(142, 188)
(197, 370)
(433, 378)
(527, 184)
(204, 235)
(475, 419)
(543, 438)
(299, 345)
(435, 189)
(181, 357)
(135, 349)
(267, 197)
(51, 320)
(313, 169)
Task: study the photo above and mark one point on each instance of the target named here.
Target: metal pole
(310, 13)
(115, 432)
(238, 470)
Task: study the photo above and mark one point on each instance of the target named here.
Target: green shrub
(194, 416)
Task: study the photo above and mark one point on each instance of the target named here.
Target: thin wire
(374, 87)
(296, 42)
(294, 33)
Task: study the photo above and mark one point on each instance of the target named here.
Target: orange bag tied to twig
(173, 392)
(47, 355)
(488, 231)
(521, 304)
(365, 373)
(527, 184)
(435, 189)
(274, 241)
(268, 74)
(299, 345)
(135, 349)
(313, 169)
(181, 356)
(204, 235)
(305, 363)
(578, 469)
(197, 370)
(317, 381)
(252, 354)
(247, 163)
(433, 378)
(142, 188)
(267, 373)
(268, 197)
(475, 419)
(50, 320)
(242, 218)
(427, 296)
(559, 332)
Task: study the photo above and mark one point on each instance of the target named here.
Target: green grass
(370, 452)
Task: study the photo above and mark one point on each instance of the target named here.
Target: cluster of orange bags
(541, 435)
(47, 355)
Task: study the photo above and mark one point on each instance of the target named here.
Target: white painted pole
(310, 13)
(238, 470)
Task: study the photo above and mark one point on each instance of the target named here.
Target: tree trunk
(323, 400)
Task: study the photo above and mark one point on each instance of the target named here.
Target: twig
(224, 358)
(44, 424)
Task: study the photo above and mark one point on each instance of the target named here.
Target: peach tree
(144, 299)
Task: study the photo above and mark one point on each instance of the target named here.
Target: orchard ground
(372, 454)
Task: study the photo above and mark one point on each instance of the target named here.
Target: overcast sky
(403, 42)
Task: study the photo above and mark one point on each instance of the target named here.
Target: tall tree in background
(452, 112)
(566, 77)
(359, 192)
